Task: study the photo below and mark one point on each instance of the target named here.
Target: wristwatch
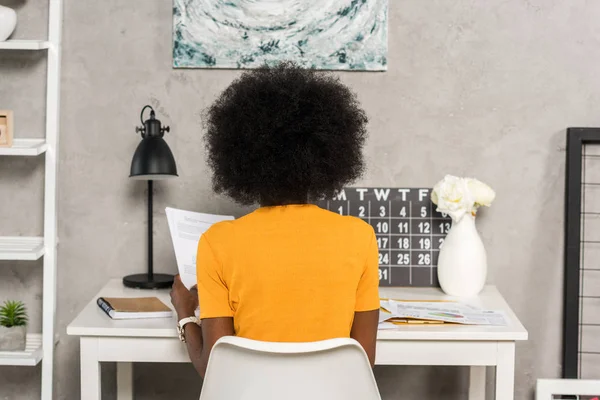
(181, 325)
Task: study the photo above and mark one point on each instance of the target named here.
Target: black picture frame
(576, 139)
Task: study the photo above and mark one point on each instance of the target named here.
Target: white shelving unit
(40, 347)
(25, 147)
(29, 357)
(21, 248)
(25, 44)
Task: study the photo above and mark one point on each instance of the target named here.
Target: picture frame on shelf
(6, 128)
(549, 389)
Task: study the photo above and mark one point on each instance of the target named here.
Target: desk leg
(124, 381)
(90, 369)
(477, 382)
(505, 371)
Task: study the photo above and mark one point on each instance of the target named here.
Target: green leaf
(13, 313)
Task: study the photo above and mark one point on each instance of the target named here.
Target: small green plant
(13, 313)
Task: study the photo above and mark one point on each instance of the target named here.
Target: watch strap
(181, 325)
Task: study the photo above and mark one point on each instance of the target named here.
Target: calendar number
(382, 242)
(403, 259)
(383, 274)
(382, 227)
(444, 227)
(384, 259)
(424, 259)
(424, 227)
(403, 227)
(409, 230)
(403, 243)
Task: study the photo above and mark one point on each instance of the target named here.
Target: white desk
(125, 342)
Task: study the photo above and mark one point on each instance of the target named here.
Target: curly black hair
(285, 135)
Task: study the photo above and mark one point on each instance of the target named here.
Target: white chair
(243, 369)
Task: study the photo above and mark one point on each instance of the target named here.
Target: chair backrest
(243, 369)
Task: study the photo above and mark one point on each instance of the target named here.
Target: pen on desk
(419, 301)
(416, 321)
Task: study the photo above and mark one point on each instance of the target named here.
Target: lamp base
(143, 281)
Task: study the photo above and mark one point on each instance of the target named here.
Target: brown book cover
(134, 307)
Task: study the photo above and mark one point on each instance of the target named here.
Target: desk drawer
(128, 349)
(400, 352)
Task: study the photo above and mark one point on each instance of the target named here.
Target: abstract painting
(321, 34)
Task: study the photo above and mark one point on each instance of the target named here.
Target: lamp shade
(153, 160)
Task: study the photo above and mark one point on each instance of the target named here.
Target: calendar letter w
(382, 194)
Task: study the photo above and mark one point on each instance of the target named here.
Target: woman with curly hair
(281, 138)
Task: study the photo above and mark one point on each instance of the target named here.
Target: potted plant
(13, 326)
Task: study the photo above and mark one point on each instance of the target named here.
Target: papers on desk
(397, 312)
(186, 228)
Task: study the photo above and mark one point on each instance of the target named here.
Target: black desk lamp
(152, 160)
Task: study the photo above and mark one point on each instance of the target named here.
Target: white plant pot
(13, 338)
(462, 265)
(8, 22)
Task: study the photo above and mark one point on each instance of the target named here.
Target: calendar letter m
(340, 196)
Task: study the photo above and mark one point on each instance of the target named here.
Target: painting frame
(350, 35)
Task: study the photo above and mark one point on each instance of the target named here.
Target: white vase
(8, 22)
(13, 338)
(462, 265)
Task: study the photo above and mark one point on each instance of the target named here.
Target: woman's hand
(185, 301)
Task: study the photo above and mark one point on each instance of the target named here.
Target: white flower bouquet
(458, 196)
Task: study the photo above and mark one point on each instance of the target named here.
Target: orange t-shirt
(292, 273)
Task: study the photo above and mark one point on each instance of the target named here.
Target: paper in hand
(186, 228)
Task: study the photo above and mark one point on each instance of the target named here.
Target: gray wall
(476, 88)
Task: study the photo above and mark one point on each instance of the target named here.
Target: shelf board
(24, 45)
(21, 248)
(25, 147)
(31, 356)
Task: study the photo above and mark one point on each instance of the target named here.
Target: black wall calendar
(409, 231)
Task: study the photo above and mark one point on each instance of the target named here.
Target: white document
(453, 312)
(186, 228)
